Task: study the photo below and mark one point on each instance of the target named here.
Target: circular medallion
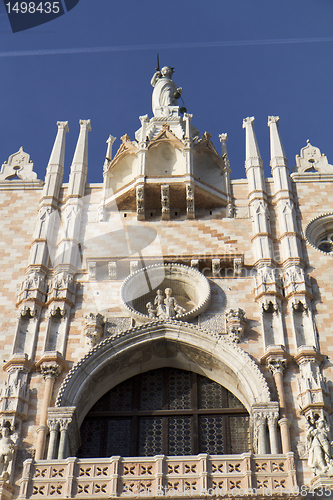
(166, 291)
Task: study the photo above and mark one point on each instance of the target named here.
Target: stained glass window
(166, 411)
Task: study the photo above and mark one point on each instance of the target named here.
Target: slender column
(284, 424)
(79, 168)
(277, 365)
(50, 372)
(272, 430)
(54, 429)
(64, 423)
(55, 168)
(262, 444)
(142, 147)
(227, 171)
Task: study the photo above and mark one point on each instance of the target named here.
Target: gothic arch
(154, 345)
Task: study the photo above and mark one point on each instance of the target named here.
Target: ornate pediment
(19, 166)
(166, 135)
(127, 147)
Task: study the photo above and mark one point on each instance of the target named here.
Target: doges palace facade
(167, 333)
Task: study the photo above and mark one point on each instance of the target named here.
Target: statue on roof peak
(165, 93)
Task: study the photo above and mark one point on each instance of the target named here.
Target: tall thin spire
(79, 168)
(252, 152)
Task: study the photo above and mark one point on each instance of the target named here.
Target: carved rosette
(235, 323)
(93, 328)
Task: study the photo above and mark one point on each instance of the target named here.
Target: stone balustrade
(191, 476)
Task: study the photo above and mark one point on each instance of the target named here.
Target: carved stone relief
(93, 329)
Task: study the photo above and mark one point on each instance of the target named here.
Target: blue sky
(233, 59)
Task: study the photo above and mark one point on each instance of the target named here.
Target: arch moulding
(157, 344)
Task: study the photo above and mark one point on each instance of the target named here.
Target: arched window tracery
(165, 411)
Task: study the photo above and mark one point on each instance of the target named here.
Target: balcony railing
(192, 476)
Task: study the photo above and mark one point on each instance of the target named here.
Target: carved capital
(63, 125)
(273, 119)
(272, 418)
(277, 365)
(64, 423)
(223, 137)
(50, 370)
(249, 119)
(144, 119)
(53, 424)
(86, 124)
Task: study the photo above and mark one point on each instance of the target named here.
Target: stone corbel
(92, 268)
(94, 327)
(140, 202)
(299, 306)
(165, 201)
(216, 267)
(190, 208)
(134, 266)
(112, 270)
(270, 307)
(238, 264)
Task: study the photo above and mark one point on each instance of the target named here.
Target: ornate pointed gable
(127, 147)
(166, 135)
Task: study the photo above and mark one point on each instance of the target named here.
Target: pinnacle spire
(252, 149)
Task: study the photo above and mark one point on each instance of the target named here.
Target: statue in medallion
(165, 307)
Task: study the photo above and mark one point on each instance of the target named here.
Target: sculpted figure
(319, 441)
(172, 308)
(165, 91)
(159, 303)
(151, 310)
(7, 448)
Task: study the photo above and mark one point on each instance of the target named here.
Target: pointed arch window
(165, 411)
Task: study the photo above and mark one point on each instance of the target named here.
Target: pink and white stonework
(167, 264)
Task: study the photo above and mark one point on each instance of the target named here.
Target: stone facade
(168, 262)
